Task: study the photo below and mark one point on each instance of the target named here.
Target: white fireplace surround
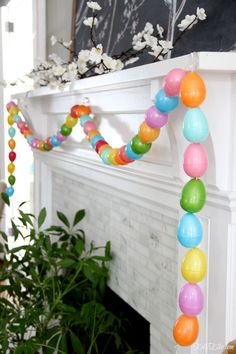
(137, 206)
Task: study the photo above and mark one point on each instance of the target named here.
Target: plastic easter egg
(12, 144)
(195, 126)
(61, 137)
(191, 299)
(155, 119)
(46, 147)
(138, 146)
(84, 119)
(89, 125)
(186, 330)
(20, 124)
(14, 110)
(99, 144)
(194, 265)
(10, 104)
(195, 160)
(95, 139)
(111, 156)
(79, 110)
(102, 148)
(34, 143)
(16, 118)
(11, 168)
(70, 121)
(54, 141)
(104, 156)
(123, 156)
(11, 180)
(131, 154)
(27, 133)
(192, 90)
(172, 82)
(91, 133)
(12, 156)
(189, 231)
(29, 139)
(9, 191)
(10, 120)
(11, 132)
(193, 196)
(146, 134)
(48, 142)
(118, 158)
(65, 130)
(165, 103)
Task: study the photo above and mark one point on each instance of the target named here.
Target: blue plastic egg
(54, 141)
(165, 103)
(104, 156)
(189, 230)
(16, 118)
(11, 132)
(9, 191)
(85, 118)
(95, 139)
(131, 154)
(195, 126)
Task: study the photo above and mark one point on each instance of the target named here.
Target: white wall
(59, 21)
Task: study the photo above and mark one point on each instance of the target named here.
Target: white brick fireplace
(137, 206)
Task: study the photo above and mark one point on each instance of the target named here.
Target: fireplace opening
(135, 328)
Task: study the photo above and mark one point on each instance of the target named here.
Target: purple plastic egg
(61, 137)
(155, 119)
(191, 299)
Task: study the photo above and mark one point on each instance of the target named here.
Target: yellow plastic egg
(112, 156)
(14, 110)
(70, 121)
(194, 265)
(11, 167)
(10, 120)
(12, 144)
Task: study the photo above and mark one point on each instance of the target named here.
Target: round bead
(123, 156)
(155, 119)
(186, 330)
(138, 146)
(165, 103)
(11, 168)
(10, 120)
(84, 119)
(189, 231)
(65, 130)
(147, 134)
(70, 121)
(192, 90)
(16, 118)
(10, 105)
(9, 191)
(131, 154)
(89, 125)
(195, 126)
(12, 156)
(195, 160)
(191, 299)
(194, 265)
(12, 144)
(193, 196)
(91, 133)
(99, 144)
(54, 141)
(112, 155)
(95, 139)
(79, 110)
(104, 156)
(11, 180)
(172, 82)
(11, 132)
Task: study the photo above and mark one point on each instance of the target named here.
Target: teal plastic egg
(195, 126)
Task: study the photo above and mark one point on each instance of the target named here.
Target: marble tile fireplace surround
(137, 207)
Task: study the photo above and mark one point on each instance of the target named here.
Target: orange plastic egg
(12, 144)
(79, 110)
(186, 330)
(147, 134)
(192, 90)
(102, 148)
(111, 156)
(92, 133)
(118, 159)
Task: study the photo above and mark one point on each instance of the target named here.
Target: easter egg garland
(191, 89)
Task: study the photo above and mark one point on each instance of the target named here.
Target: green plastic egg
(138, 146)
(11, 180)
(65, 130)
(193, 196)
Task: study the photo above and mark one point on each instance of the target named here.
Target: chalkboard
(119, 20)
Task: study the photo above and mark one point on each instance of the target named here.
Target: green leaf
(42, 217)
(76, 344)
(79, 246)
(108, 249)
(21, 204)
(5, 198)
(63, 218)
(78, 216)
(26, 218)
(63, 344)
(67, 262)
(4, 236)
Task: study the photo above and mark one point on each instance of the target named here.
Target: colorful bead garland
(191, 89)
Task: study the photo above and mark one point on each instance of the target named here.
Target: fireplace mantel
(148, 190)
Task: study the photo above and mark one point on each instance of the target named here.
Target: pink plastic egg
(89, 125)
(172, 82)
(195, 160)
(191, 299)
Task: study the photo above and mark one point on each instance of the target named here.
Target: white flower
(131, 61)
(156, 51)
(96, 54)
(67, 44)
(137, 38)
(94, 5)
(119, 65)
(70, 76)
(151, 41)
(109, 62)
(139, 45)
(90, 21)
(55, 58)
(185, 23)
(166, 45)
(53, 40)
(148, 28)
(160, 30)
(83, 56)
(201, 14)
(99, 70)
(58, 70)
(82, 67)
